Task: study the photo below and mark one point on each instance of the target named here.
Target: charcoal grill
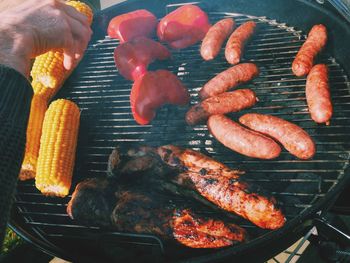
(306, 188)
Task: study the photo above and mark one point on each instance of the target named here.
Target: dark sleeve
(15, 98)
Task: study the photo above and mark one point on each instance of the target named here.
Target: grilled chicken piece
(145, 161)
(199, 177)
(143, 166)
(193, 161)
(143, 158)
(92, 201)
(136, 161)
(197, 232)
(225, 189)
(143, 212)
(246, 200)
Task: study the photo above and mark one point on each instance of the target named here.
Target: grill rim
(305, 215)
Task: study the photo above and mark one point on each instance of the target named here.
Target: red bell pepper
(134, 24)
(132, 58)
(153, 90)
(183, 27)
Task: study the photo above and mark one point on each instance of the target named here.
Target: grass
(11, 241)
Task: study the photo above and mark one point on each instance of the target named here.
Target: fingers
(52, 24)
(69, 52)
(80, 36)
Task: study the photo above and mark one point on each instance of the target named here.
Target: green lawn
(10, 242)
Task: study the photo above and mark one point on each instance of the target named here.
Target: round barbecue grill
(306, 188)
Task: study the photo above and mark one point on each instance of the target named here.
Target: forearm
(15, 98)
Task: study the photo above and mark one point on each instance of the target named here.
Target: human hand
(37, 26)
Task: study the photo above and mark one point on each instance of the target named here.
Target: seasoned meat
(229, 79)
(224, 187)
(139, 211)
(93, 201)
(296, 140)
(315, 42)
(192, 174)
(158, 175)
(242, 140)
(215, 37)
(246, 200)
(114, 161)
(318, 94)
(236, 42)
(134, 162)
(221, 104)
(189, 160)
(205, 233)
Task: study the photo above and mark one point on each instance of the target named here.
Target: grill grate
(106, 121)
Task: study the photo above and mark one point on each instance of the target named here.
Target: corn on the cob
(40, 90)
(57, 148)
(48, 75)
(37, 112)
(48, 68)
(82, 8)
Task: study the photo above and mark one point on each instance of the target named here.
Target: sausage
(318, 94)
(314, 43)
(229, 78)
(241, 139)
(237, 40)
(223, 103)
(214, 38)
(297, 141)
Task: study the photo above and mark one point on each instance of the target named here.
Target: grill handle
(330, 232)
(332, 243)
(342, 6)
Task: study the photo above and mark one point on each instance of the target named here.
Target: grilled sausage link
(318, 94)
(237, 40)
(223, 103)
(242, 140)
(314, 43)
(297, 141)
(214, 38)
(228, 79)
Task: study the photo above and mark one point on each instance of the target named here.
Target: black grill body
(305, 187)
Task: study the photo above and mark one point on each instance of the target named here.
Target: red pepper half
(132, 58)
(153, 90)
(183, 27)
(134, 24)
